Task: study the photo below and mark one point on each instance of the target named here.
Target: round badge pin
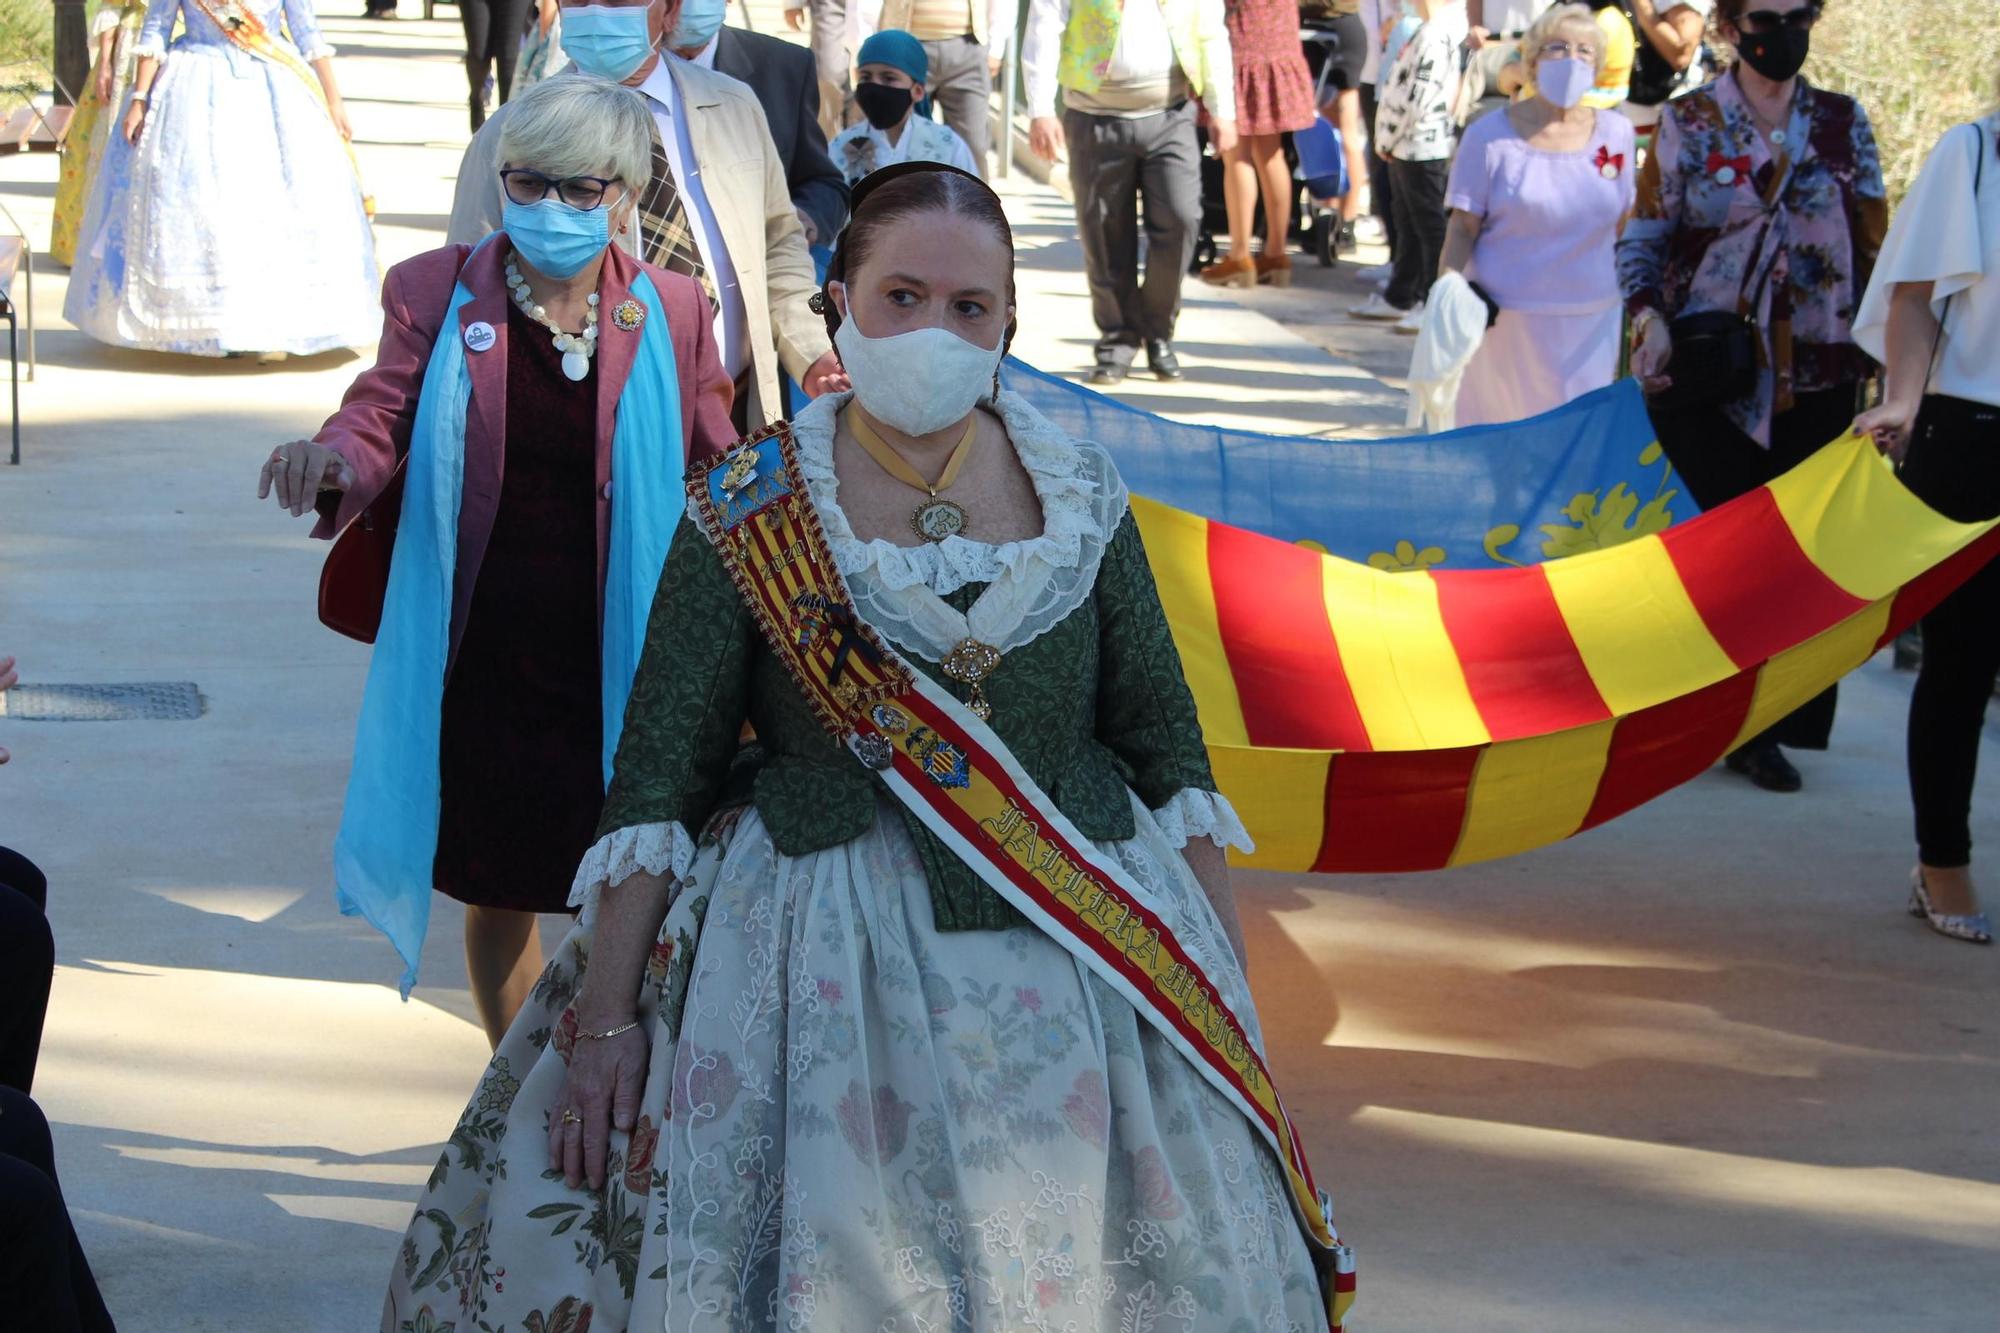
(1726, 176)
(1608, 171)
(479, 335)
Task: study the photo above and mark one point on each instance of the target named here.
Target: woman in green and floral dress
(862, 1092)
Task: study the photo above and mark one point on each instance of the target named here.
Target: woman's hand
(606, 1078)
(1650, 354)
(337, 109)
(104, 81)
(1889, 424)
(1045, 138)
(135, 120)
(299, 471)
(825, 376)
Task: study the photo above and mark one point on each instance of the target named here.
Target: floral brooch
(628, 315)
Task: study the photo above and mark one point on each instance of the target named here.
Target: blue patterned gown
(236, 223)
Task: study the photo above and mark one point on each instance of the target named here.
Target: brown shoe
(1275, 269)
(1235, 271)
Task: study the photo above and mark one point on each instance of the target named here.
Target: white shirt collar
(706, 56)
(661, 87)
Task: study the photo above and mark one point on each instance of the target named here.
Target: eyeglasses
(531, 187)
(1770, 20)
(1561, 50)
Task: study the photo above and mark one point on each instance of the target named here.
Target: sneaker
(1377, 307)
(1378, 274)
(1369, 228)
(1411, 323)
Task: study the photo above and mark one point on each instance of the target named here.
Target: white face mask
(917, 382)
(1565, 81)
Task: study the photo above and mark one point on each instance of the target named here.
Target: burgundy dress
(519, 755)
(1274, 89)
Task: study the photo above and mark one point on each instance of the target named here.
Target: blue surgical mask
(1565, 81)
(700, 21)
(554, 237)
(608, 41)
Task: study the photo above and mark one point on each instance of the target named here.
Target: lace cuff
(1194, 813)
(657, 849)
(149, 46)
(323, 51)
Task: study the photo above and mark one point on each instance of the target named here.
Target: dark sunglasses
(1769, 20)
(531, 187)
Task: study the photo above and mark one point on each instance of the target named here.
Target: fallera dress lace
(876, 1100)
(236, 223)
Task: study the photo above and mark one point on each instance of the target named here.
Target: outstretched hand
(299, 471)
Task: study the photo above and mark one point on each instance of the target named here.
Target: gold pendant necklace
(939, 518)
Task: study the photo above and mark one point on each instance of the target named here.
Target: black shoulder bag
(1715, 352)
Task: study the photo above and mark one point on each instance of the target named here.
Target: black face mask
(1776, 55)
(884, 106)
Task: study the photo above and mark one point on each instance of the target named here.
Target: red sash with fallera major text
(943, 762)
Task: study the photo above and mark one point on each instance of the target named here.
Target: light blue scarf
(388, 836)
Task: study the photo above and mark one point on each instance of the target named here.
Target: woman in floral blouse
(1763, 195)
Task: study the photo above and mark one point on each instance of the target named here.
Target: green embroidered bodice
(1092, 706)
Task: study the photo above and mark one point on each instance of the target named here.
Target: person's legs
(27, 968)
(1381, 190)
(1170, 194)
(1347, 113)
(1425, 183)
(508, 24)
(1239, 196)
(45, 1281)
(1104, 179)
(1406, 281)
(477, 18)
(1267, 155)
(832, 57)
(963, 87)
(1954, 466)
(503, 956)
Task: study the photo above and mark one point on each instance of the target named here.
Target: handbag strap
(1780, 177)
(1978, 173)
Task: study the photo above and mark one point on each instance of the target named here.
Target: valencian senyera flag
(1587, 475)
(1406, 715)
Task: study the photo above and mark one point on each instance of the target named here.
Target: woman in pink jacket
(534, 402)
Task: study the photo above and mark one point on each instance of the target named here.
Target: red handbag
(355, 579)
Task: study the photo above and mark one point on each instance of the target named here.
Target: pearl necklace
(577, 348)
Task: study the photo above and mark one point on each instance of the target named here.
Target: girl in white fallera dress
(229, 214)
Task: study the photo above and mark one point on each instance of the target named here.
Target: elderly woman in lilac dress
(1763, 194)
(1537, 195)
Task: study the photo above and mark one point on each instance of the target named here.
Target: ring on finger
(570, 1117)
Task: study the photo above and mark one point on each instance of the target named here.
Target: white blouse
(1946, 235)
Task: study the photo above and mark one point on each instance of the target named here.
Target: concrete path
(1694, 1070)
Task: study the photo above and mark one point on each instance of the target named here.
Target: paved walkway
(1694, 1070)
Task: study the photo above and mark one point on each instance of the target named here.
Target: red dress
(522, 778)
(1274, 89)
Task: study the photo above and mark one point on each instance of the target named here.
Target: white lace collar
(1072, 480)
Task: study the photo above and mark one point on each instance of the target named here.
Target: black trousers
(1121, 169)
(1718, 462)
(1416, 200)
(493, 32)
(27, 966)
(45, 1282)
(1954, 466)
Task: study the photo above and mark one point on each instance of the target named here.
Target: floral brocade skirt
(854, 1122)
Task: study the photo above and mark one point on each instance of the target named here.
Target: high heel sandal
(1972, 927)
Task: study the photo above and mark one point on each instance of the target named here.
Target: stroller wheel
(1325, 236)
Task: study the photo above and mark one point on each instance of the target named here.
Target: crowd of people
(762, 654)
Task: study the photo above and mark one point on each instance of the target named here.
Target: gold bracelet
(608, 1033)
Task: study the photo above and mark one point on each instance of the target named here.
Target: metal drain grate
(151, 701)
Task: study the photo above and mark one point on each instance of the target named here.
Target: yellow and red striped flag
(1363, 720)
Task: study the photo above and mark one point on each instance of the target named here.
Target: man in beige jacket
(719, 209)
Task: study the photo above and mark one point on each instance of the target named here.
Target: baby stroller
(1321, 167)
